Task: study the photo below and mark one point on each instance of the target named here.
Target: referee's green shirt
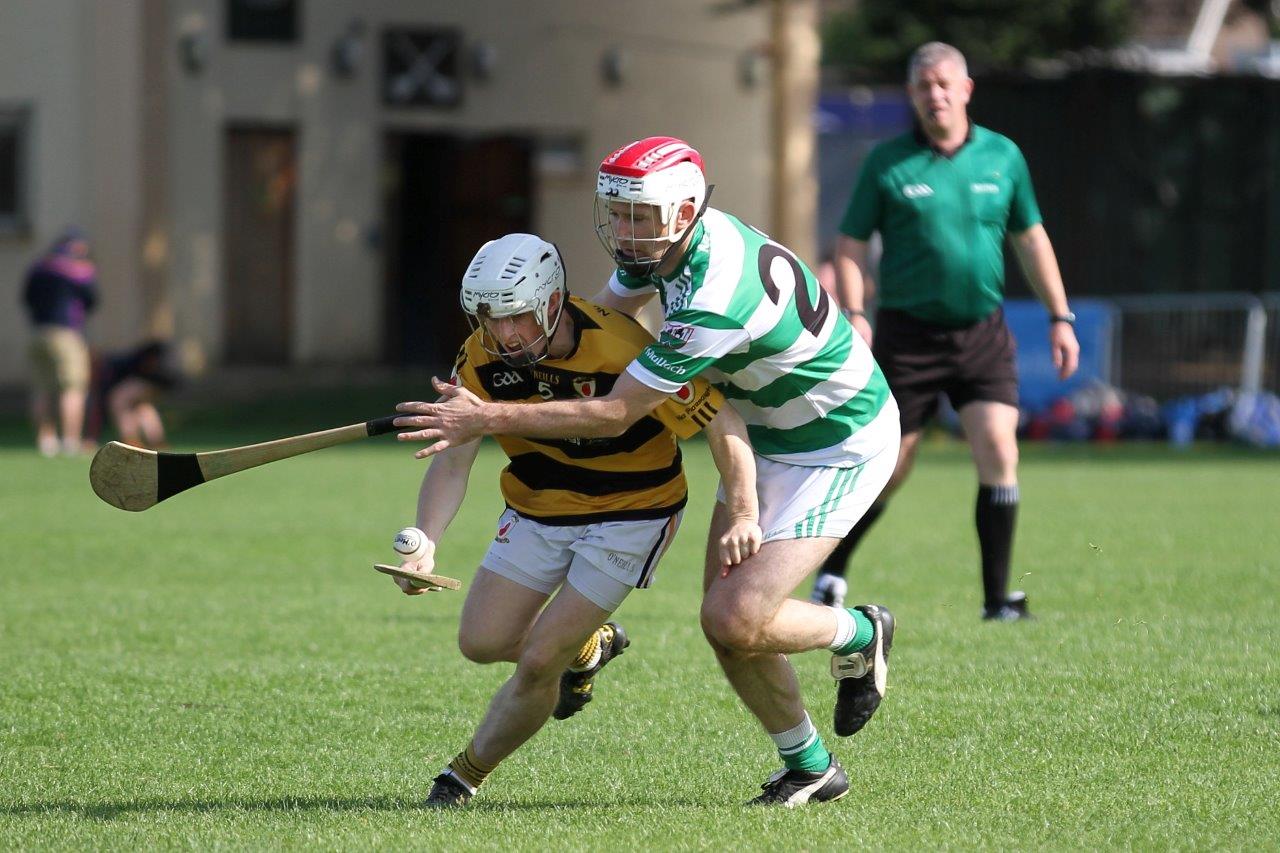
(943, 221)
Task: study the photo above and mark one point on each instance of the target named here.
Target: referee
(943, 198)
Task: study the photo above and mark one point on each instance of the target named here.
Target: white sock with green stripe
(801, 748)
(854, 631)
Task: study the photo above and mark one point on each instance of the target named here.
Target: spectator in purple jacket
(60, 292)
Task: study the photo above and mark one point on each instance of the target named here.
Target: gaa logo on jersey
(585, 386)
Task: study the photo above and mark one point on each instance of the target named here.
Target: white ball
(411, 544)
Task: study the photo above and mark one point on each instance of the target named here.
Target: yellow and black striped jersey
(636, 475)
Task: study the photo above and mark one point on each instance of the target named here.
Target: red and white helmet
(661, 171)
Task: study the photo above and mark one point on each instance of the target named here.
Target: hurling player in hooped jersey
(743, 312)
(587, 519)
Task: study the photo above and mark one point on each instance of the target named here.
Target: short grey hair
(929, 55)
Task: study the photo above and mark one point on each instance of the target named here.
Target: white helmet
(515, 274)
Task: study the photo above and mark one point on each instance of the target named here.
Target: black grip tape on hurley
(176, 472)
(381, 426)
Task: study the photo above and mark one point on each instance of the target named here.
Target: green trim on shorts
(849, 484)
(816, 519)
(802, 526)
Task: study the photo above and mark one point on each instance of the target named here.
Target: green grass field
(226, 669)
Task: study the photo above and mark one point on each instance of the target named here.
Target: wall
(129, 142)
(546, 83)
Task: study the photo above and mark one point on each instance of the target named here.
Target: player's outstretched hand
(454, 420)
(739, 542)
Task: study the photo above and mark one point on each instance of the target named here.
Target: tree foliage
(876, 37)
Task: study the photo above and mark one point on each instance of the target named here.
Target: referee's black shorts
(921, 360)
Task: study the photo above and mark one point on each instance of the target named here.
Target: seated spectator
(125, 387)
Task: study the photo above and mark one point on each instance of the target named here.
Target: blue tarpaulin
(1038, 379)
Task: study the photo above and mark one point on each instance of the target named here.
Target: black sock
(995, 515)
(838, 560)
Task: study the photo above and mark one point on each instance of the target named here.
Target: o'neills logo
(503, 528)
(586, 387)
(917, 190)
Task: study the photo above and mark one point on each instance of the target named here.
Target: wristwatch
(1069, 318)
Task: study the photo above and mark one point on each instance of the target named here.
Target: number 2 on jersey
(811, 316)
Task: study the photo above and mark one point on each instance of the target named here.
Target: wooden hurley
(431, 583)
(135, 479)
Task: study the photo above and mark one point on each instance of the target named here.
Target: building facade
(299, 182)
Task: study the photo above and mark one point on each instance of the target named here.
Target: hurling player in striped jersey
(587, 519)
(744, 312)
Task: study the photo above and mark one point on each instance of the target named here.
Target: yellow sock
(588, 654)
(469, 768)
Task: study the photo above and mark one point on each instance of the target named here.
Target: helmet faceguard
(515, 275)
(660, 172)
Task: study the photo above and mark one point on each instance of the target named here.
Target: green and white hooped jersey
(749, 315)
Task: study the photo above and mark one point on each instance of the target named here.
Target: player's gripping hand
(426, 565)
(417, 554)
(457, 418)
(740, 541)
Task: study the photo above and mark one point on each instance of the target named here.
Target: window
(14, 149)
(262, 20)
(421, 68)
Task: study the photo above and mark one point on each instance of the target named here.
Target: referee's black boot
(829, 590)
(862, 676)
(576, 686)
(1012, 609)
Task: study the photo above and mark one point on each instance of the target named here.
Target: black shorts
(921, 360)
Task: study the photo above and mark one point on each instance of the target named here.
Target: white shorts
(802, 502)
(603, 561)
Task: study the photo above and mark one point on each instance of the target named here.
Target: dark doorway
(446, 195)
(259, 191)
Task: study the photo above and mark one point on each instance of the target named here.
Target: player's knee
(478, 648)
(721, 651)
(538, 665)
(1008, 454)
(999, 456)
(730, 626)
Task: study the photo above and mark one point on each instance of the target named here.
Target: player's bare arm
(462, 417)
(731, 450)
(443, 488)
(1040, 266)
(629, 305)
(854, 285)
